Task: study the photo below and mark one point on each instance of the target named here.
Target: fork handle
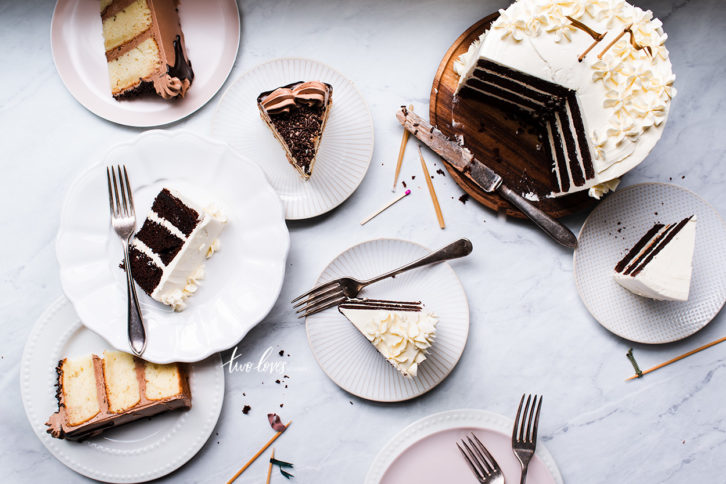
(523, 479)
(457, 249)
(136, 330)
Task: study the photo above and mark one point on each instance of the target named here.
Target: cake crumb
(441, 172)
(246, 409)
(282, 353)
(404, 184)
(464, 198)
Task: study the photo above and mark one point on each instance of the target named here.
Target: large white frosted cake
(603, 109)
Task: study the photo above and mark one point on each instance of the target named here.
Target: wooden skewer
(269, 469)
(401, 151)
(259, 452)
(435, 200)
(677, 358)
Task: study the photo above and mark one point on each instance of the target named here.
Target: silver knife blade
(452, 152)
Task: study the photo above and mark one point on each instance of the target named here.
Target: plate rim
(24, 372)
(404, 440)
(574, 262)
(357, 91)
(167, 134)
(456, 363)
(54, 32)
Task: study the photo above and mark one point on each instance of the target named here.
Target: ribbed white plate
(437, 433)
(351, 361)
(345, 150)
(242, 281)
(211, 32)
(136, 452)
(614, 227)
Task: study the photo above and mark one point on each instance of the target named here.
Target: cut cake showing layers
(659, 266)
(297, 114)
(401, 331)
(145, 48)
(95, 394)
(169, 250)
(594, 75)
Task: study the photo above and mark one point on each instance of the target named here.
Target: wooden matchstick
(385, 207)
(677, 358)
(620, 36)
(401, 151)
(259, 452)
(435, 200)
(269, 469)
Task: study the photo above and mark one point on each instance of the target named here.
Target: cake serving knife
(464, 162)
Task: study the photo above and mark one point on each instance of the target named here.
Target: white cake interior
(122, 384)
(79, 389)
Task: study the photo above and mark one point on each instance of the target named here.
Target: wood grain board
(509, 146)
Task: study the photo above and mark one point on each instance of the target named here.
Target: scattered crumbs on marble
(683, 177)
(432, 177)
(246, 409)
(441, 172)
(683, 442)
(655, 213)
(413, 177)
(285, 376)
(350, 401)
(285, 386)
(278, 381)
(282, 405)
(244, 394)
(464, 198)
(282, 353)
(670, 178)
(403, 183)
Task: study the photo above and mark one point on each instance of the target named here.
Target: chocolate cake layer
(145, 272)
(640, 245)
(667, 237)
(175, 211)
(165, 244)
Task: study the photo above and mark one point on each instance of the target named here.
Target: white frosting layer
(180, 279)
(667, 277)
(402, 337)
(624, 97)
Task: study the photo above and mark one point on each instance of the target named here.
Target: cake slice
(297, 114)
(145, 48)
(660, 264)
(95, 394)
(401, 331)
(168, 252)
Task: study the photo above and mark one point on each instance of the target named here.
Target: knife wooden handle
(552, 227)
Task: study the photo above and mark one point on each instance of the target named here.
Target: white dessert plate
(139, 451)
(211, 32)
(614, 227)
(425, 452)
(242, 281)
(351, 361)
(345, 150)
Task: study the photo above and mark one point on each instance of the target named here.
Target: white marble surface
(529, 331)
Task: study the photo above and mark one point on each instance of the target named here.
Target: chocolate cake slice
(660, 264)
(297, 114)
(95, 394)
(168, 252)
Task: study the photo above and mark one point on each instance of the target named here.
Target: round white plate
(211, 32)
(345, 150)
(351, 361)
(241, 282)
(139, 451)
(614, 227)
(425, 451)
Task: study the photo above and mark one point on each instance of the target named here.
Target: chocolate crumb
(413, 177)
(441, 172)
(403, 183)
(282, 405)
(277, 381)
(350, 401)
(683, 177)
(464, 198)
(282, 353)
(246, 409)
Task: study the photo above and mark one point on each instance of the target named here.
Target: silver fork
(334, 292)
(524, 433)
(482, 464)
(123, 220)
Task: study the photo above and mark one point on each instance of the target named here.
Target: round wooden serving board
(506, 145)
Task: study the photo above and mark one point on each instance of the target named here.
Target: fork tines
(526, 423)
(482, 464)
(317, 299)
(119, 203)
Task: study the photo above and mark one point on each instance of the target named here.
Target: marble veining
(529, 331)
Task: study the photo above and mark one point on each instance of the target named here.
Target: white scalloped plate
(211, 33)
(242, 281)
(351, 361)
(136, 452)
(616, 225)
(425, 451)
(345, 150)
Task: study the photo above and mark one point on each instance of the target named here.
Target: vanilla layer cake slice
(297, 114)
(169, 250)
(401, 331)
(660, 264)
(595, 75)
(95, 393)
(145, 48)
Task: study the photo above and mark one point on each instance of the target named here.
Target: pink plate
(212, 33)
(425, 452)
